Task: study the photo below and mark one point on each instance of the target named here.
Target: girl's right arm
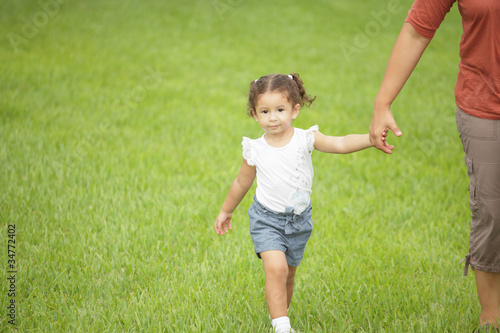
(237, 192)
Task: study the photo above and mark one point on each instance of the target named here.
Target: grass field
(120, 131)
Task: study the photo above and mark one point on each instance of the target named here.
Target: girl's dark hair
(290, 85)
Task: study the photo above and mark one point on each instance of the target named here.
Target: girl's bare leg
(277, 272)
(290, 284)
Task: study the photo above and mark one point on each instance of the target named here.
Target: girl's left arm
(342, 144)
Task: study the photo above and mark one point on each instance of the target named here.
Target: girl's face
(275, 113)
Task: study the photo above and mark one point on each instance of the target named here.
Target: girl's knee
(278, 269)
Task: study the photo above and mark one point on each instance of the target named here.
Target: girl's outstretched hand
(223, 223)
(384, 140)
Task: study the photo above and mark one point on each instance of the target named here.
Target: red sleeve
(426, 15)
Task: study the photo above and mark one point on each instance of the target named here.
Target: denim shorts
(287, 232)
(481, 143)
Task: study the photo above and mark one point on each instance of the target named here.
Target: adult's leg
(276, 269)
(481, 142)
(488, 290)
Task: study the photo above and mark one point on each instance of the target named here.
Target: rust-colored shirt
(477, 91)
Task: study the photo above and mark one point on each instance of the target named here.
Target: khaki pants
(481, 143)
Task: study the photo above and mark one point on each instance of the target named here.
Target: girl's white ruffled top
(284, 174)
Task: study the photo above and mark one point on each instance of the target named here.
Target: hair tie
(255, 81)
(291, 77)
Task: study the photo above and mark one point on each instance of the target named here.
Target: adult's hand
(382, 121)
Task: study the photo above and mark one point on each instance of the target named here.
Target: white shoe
(291, 330)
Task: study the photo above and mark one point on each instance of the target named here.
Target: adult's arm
(405, 55)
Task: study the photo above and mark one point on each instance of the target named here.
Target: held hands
(223, 222)
(382, 122)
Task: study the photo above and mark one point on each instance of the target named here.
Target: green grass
(120, 130)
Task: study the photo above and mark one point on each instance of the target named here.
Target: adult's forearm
(405, 55)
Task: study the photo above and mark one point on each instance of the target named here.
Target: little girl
(280, 217)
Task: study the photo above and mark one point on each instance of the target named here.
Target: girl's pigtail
(305, 99)
(252, 97)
